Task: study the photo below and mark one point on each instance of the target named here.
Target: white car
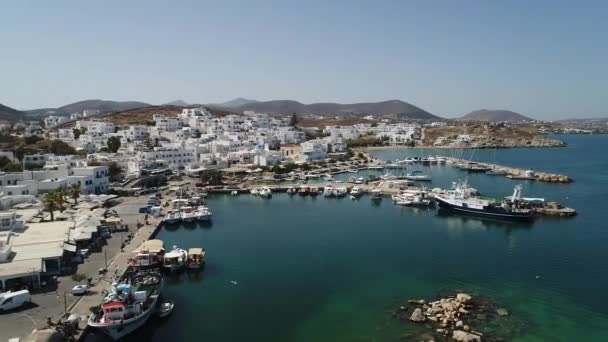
(80, 290)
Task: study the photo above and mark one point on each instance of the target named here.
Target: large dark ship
(460, 201)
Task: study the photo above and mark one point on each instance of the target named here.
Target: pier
(512, 172)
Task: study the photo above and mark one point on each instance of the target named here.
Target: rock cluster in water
(450, 318)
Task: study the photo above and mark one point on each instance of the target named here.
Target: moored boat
(175, 259)
(196, 258)
(265, 192)
(202, 213)
(418, 175)
(149, 254)
(188, 214)
(128, 306)
(304, 190)
(172, 217)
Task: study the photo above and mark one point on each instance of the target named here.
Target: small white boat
(175, 259)
(202, 213)
(165, 309)
(173, 216)
(254, 192)
(234, 193)
(360, 180)
(314, 191)
(292, 191)
(188, 214)
(418, 201)
(329, 191)
(265, 192)
(304, 190)
(418, 175)
(328, 178)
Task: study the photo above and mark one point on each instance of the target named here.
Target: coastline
(404, 147)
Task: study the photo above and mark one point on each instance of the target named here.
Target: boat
(496, 171)
(178, 203)
(329, 191)
(328, 178)
(292, 191)
(418, 175)
(414, 201)
(172, 217)
(474, 167)
(165, 309)
(265, 192)
(341, 192)
(188, 214)
(359, 180)
(234, 193)
(376, 194)
(202, 213)
(196, 258)
(527, 175)
(128, 305)
(314, 191)
(149, 254)
(459, 201)
(304, 190)
(175, 259)
(254, 192)
(356, 191)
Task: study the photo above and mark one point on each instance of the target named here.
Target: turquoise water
(316, 269)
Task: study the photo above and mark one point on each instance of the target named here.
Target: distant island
(495, 115)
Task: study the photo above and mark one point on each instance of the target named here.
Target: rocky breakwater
(458, 317)
(553, 178)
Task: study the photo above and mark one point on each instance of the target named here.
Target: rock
(459, 324)
(463, 336)
(440, 331)
(463, 311)
(466, 328)
(463, 298)
(502, 312)
(417, 316)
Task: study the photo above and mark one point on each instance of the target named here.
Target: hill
(10, 114)
(178, 103)
(101, 105)
(393, 109)
(495, 116)
(143, 116)
(239, 101)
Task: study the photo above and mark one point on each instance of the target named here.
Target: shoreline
(403, 147)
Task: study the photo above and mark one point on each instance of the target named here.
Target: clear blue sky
(546, 59)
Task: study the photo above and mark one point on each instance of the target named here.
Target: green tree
(293, 120)
(50, 203)
(212, 177)
(58, 147)
(74, 192)
(114, 171)
(113, 144)
(12, 167)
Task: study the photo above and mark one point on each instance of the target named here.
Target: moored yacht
(341, 192)
(172, 217)
(188, 214)
(304, 190)
(196, 258)
(356, 191)
(329, 191)
(202, 213)
(376, 195)
(265, 192)
(418, 175)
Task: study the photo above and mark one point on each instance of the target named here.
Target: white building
(167, 124)
(54, 121)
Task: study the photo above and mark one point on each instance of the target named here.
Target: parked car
(80, 290)
(14, 300)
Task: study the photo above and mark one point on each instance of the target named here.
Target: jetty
(508, 171)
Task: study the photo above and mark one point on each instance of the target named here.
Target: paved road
(53, 303)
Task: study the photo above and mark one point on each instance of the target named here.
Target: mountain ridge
(10, 114)
(395, 109)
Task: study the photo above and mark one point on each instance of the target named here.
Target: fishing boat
(376, 195)
(128, 305)
(341, 192)
(175, 259)
(202, 213)
(304, 190)
(329, 191)
(459, 201)
(188, 214)
(356, 191)
(265, 192)
(149, 254)
(413, 201)
(196, 258)
(314, 191)
(172, 217)
(418, 175)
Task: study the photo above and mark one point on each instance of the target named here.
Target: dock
(515, 173)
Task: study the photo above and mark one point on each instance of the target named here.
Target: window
(6, 222)
(7, 301)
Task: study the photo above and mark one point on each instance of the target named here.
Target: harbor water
(316, 269)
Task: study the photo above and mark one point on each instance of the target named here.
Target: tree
(49, 201)
(114, 171)
(60, 198)
(75, 192)
(212, 177)
(113, 144)
(60, 148)
(293, 120)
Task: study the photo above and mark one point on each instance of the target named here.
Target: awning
(69, 247)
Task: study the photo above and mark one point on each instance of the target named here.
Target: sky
(544, 59)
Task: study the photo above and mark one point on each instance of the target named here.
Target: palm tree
(60, 198)
(49, 201)
(75, 192)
